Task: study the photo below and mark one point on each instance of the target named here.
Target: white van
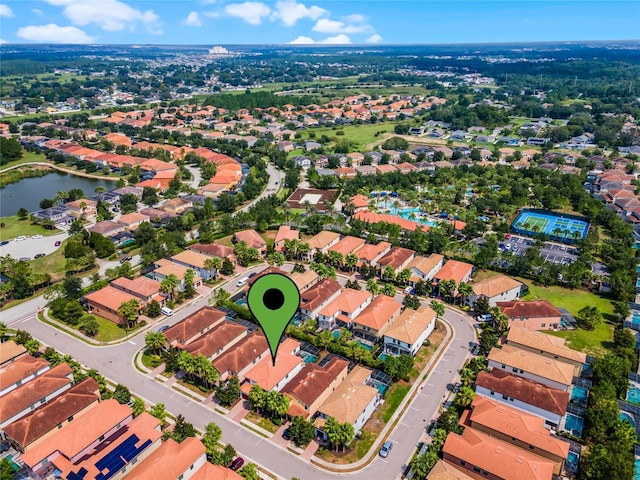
(485, 318)
(241, 283)
(166, 311)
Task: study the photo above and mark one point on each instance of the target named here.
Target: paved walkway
(240, 411)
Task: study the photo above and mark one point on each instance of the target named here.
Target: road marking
(435, 372)
(132, 342)
(258, 442)
(27, 319)
(383, 461)
(404, 424)
(445, 360)
(414, 408)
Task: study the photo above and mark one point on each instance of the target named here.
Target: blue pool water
(548, 222)
(637, 470)
(638, 269)
(572, 461)
(579, 394)
(242, 302)
(633, 395)
(364, 345)
(626, 416)
(574, 424)
(408, 213)
(635, 319)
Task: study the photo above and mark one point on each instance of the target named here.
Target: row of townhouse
(509, 432)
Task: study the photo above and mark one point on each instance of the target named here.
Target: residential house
(516, 428)
(222, 337)
(370, 253)
(545, 345)
(311, 387)
(164, 268)
(321, 243)
(10, 351)
(445, 471)
(44, 421)
(209, 471)
(106, 302)
(172, 461)
(132, 220)
(215, 250)
(409, 331)
(454, 270)
(177, 206)
(499, 288)
(129, 190)
(538, 399)
(376, 318)
(252, 239)
(194, 326)
(553, 373)
(347, 245)
(533, 315)
(353, 401)
(196, 262)
(20, 371)
(397, 258)
(82, 208)
(107, 228)
(78, 438)
(27, 397)
(489, 457)
(318, 296)
(304, 281)
(341, 311)
(425, 268)
(144, 288)
(246, 353)
(60, 216)
(156, 216)
(285, 232)
(274, 376)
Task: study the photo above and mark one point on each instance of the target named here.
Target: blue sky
(220, 22)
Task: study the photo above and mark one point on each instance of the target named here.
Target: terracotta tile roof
(347, 245)
(242, 354)
(142, 286)
(425, 264)
(144, 426)
(348, 301)
(215, 472)
(515, 423)
(44, 419)
(251, 237)
(378, 312)
(190, 326)
(396, 257)
(445, 471)
(313, 380)
(104, 227)
(538, 365)
(214, 250)
(411, 324)
(322, 239)
(8, 351)
(500, 458)
(454, 270)
(110, 297)
(528, 391)
(359, 201)
(285, 232)
(497, 285)
(216, 339)
(169, 461)
(269, 269)
(319, 293)
(22, 367)
(544, 342)
(268, 375)
(370, 251)
(533, 308)
(191, 257)
(131, 218)
(167, 267)
(347, 402)
(303, 279)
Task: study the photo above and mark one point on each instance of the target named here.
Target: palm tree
(257, 397)
(437, 307)
(465, 290)
(186, 363)
(372, 286)
(324, 339)
(465, 396)
(169, 285)
(155, 341)
(447, 288)
(211, 264)
(351, 261)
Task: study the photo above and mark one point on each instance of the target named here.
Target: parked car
(20, 238)
(237, 464)
(485, 318)
(4, 447)
(166, 311)
(125, 259)
(25, 259)
(287, 434)
(57, 244)
(4, 242)
(385, 449)
(163, 328)
(241, 283)
(252, 274)
(38, 255)
(37, 237)
(507, 236)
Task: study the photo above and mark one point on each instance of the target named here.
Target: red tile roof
(533, 308)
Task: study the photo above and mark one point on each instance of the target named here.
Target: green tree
(181, 430)
(465, 396)
(129, 310)
(228, 391)
(438, 307)
(588, 318)
(90, 326)
(211, 437)
(411, 301)
(10, 150)
(169, 284)
(158, 411)
(398, 367)
(122, 394)
(153, 309)
(301, 431)
(249, 472)
(138, 406)
(7, 468)
(154, 341)
(227, 267)
(422, 464)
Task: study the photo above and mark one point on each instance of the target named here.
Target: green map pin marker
(273, 299)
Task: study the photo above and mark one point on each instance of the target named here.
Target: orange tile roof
(550, 369)
(267, 375)
(285, 232)
(251, 237)
(22, 367)
(347, 245)
(142, 286)
(215, 472)
(445, 471)
(347, 402)
(167, 267)
(454, 270)
(378, 312)
(74, 437)
(494, 286)
(242, 354)
(500, 458)
(425, 264)
(348, 301)
(517, 424)
(545, 343)
(370, 251)
(216, 339)
(396, 257)
(371, 217)
(191, 257)
(133, 217)
(359, 201)
(9, 350)
(110, 297)
(411, 324)
(532, 308)
(214, 250)
(319, 293)
(169, 461)
(190, 326)
(322, 239)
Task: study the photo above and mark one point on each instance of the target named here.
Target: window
(181, 476)
(531, 447)
(514, 369)
(542, 325)
(484, 472)
(505, 397)
(504, 366)
(476, 469)
(101, 438)
(492, 392)
(463, 463)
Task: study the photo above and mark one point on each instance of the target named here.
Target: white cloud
(302, 40)
(211, 14)
(375, 38)
(5, 11)
(289, 12)
(110, 15)
(341, 39)
(37, 11)
(355, 18)
(53, 33)
(2, 41)
(193, 20)
(325, 25)
(250, 12)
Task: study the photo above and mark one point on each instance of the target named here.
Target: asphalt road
(276, 177)
(31, 246)
(116, 363)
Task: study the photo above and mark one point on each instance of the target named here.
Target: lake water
(28, 192)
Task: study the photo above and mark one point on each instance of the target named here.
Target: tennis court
(560, 227)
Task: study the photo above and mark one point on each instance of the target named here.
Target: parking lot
(557, 253)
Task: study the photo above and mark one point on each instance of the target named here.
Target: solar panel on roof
(79, 475)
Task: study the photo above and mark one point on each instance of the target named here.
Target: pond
(28, 192)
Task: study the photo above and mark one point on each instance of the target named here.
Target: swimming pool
(633, 395)
(635, 318)
(573, 459)
(557, 226)
(579, 395)
(573, 424)
(628, 417)
(636, 476)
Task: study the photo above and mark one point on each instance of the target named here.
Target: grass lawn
(151, 360)
(27, 157)
(394, 397)
(597, 343)
(14, 227)
(226, 241)
(359, 135)
(109, 331)
(262, 422)
(53, 264)
(484, 275)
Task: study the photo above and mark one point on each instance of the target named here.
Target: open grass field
(358, 135)
(27, 157)
(14, 227)
(53, 264)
